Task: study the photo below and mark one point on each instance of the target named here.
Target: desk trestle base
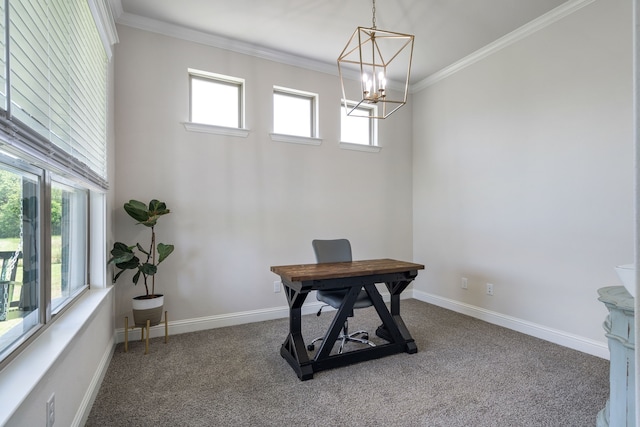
(299, 280)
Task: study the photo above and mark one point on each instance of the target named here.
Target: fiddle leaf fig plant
(138, 257)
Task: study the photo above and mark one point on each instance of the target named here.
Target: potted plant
(145, 261)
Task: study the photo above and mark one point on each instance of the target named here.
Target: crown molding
(105, 23)
(526, 30)
(183, 33)
(179, 32)
(208, 39)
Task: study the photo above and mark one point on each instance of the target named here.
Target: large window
(294, 112)
(52, 157)
(69, 226)
(360, 129)
(216, 99)
(20, 284)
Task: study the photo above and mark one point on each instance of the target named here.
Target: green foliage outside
(11, 200)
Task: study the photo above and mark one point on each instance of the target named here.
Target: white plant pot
(147, 309)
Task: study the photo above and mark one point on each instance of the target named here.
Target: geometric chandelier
(380, 57)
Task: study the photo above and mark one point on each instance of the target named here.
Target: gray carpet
(466, 373)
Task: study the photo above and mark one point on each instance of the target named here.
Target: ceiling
(445, 30)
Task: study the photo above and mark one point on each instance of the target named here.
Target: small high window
(294, 112)
(216, 99)
(360, 129)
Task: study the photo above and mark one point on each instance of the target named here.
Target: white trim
(526, 30)
(90, 395)
(105, 24)
(360, 147)
(29, 368)
(220, 42)
(293, 139)
(171, 30)
(218, 130)
(231, 319)
(585, 345)
(218, 321)
(179, 32)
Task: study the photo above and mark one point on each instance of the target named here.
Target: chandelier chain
(373, 9)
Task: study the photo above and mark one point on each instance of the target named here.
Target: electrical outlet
(463, 283)
(51, 411)
(489, 289)
(277, 286)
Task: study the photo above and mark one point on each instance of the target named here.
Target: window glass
(68, 242)
(294, 113)
(19, 253)
(53, 108)
(360, 128)
(216, 102)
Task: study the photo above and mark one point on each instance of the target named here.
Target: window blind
(57, 83)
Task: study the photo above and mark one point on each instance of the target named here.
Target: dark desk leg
(337, 324)
(293, 349)
(395, 289)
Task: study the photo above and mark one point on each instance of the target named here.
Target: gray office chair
(339, 250)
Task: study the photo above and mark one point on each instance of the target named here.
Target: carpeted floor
(466, 373)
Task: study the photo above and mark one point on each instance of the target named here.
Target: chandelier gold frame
(380, 57)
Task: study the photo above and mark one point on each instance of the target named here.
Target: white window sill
(360, 147)
(217, 130)
(292, 139)
(24, 372)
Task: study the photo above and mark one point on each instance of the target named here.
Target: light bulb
(382, 80)
(367, 82)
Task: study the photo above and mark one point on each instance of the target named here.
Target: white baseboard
(217, 321)
(555, 336)
(565, 339)
(94, 387)
(229, 319)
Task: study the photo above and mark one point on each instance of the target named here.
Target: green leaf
(164, 251)
(148, 269)
(136, 277)
(141, 249)
(137, 210)
(131, 264)
(115, 278)
(120, 253)
(158, 208)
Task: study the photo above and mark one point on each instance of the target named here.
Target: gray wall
(241, 205)
(523, 174)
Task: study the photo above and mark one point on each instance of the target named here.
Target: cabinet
(619, 330)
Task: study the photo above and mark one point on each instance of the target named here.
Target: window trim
(313, 99)
(46, 316)
(373, 145)
(360, 147)
(217, 130)
(220, 79)
(87, 237)
(294, 139)
(26, 150)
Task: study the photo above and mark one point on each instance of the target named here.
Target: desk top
(336, 270)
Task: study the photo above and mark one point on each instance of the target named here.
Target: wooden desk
(299, 280)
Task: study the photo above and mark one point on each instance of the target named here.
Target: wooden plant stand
(144, 336)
